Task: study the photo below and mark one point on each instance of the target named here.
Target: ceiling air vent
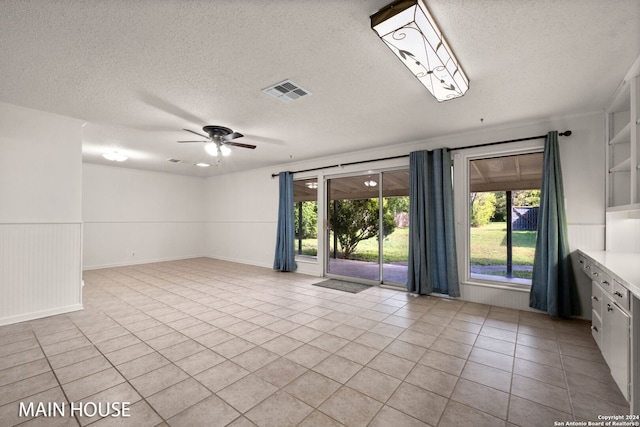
(286, 91)
(174, 160)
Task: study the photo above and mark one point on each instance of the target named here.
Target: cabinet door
(615, 335)
(596, 329)
(596, 298)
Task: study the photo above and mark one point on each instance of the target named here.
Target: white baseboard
(240, 261)
(138, 262)
(40, 314)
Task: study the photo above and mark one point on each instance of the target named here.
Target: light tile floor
(204, 342)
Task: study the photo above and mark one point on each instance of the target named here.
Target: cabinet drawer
(597, 275)
(620, 295)
(586, 266)
(583, 262)
(596, 298)
(596, 328)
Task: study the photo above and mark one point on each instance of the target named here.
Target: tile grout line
(259, 286)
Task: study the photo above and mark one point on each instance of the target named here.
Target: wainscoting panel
(581, 236)
(586, 236)
(40, 270)
(495, 295)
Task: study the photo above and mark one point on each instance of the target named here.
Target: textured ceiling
(140, 71)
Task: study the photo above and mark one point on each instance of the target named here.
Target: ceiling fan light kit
(225, 150)
(212, 149)
(409, 30)
(219, 140)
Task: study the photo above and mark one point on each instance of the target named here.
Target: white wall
(132, 216)
(242, 208)
(40, 214)
(241, 217)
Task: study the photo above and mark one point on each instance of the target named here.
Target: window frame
(310, 258)
(461, 164)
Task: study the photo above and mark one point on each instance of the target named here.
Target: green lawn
(488, 246)
(396, 247)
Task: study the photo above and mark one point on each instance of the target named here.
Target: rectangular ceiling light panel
(409, 30)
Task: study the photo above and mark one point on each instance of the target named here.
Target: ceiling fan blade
(199, 134)
(238, 144)
(233, 135)
(193, 141)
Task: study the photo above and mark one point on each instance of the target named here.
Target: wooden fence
(524, 218)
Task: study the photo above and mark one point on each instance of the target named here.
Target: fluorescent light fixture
(203, 165)
(370, 183)
(225, 150)
(409, 30)
(211, 148)
(312, 185)
(115, 156)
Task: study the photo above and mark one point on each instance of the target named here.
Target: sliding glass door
(395, 244)
(353, 227)
(367, 226)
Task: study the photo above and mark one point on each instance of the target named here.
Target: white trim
(240, 261)
(157, 222)
(149, 261)
(39, 314)
(497, 285)
(43, 223)
(461, 159)
(323, 244)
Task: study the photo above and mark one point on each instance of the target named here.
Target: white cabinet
(611, 322)
(615, 334)
(596, 313)
(623, 152)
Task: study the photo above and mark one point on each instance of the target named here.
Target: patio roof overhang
(508, 173)
(395, 183)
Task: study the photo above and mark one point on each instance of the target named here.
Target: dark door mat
(341, 285)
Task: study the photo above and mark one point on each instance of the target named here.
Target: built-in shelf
(625, 208)
(621, 98)
(623, 146)
(623, 166)
(624, 136)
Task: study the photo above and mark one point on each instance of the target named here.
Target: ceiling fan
(218, 140)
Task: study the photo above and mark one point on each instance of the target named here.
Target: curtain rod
(273, 175)
(565, 133)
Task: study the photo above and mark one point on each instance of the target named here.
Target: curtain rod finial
(566, 133)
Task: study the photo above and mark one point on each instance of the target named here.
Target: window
(305, 196)
(504, 195)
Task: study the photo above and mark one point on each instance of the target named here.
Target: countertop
(624, 266)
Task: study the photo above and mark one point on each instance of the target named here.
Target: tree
(483, 206)
(500, 215)
(526, 198)
(353, 221)
(309, 229)
(398, 204)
